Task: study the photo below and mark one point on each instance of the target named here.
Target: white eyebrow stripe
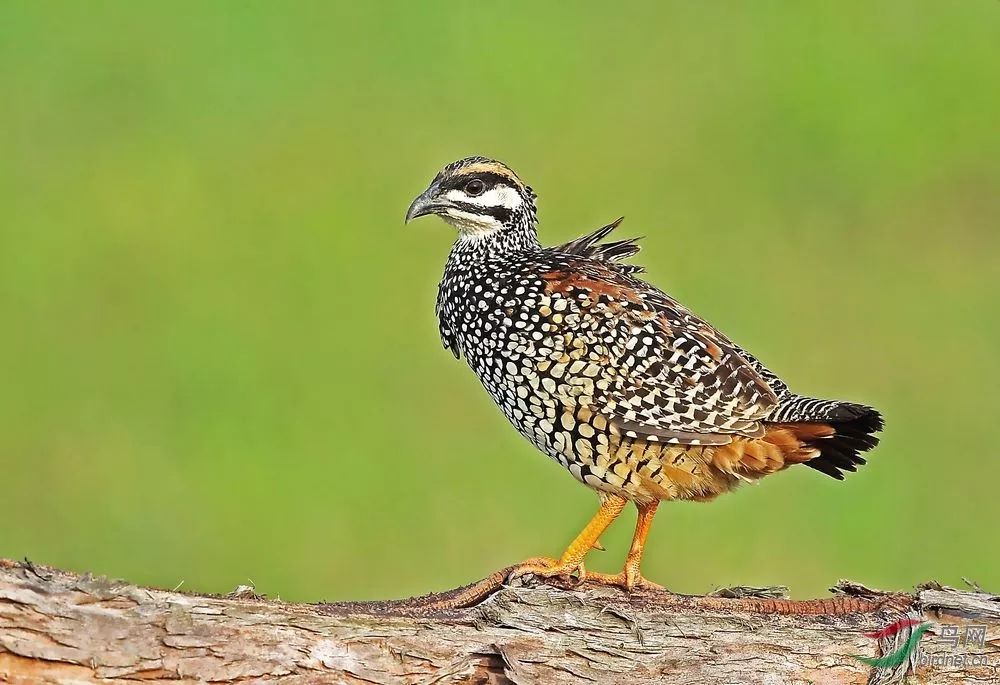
(500, 196)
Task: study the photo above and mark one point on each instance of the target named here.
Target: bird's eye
(475, 187)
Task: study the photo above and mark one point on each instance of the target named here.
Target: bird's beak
(425, 204)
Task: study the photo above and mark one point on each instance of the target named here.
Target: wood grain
(58, 627)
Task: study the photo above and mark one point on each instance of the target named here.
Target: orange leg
(630, 577)
(571, 560)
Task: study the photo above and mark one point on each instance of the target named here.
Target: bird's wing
(636, 356)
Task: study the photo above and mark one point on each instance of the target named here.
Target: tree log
(57, 627)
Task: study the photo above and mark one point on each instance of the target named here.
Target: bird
(636, 396)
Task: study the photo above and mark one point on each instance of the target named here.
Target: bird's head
(478, 196)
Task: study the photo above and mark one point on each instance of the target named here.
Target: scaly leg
(630, 577)
(571, 560)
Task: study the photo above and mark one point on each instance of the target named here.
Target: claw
(625, 581)
(546, 567)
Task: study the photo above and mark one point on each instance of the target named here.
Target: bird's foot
(547, 567)
(626, 579)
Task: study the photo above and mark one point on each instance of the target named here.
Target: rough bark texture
(56, 627)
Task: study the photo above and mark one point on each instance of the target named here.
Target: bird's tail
(852, 429)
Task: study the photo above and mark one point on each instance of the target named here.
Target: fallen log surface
(59, 627)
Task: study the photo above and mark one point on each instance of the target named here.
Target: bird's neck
(522, 236)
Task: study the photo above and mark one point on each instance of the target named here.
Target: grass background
(219, 358)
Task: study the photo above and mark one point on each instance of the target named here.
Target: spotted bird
(631, 392)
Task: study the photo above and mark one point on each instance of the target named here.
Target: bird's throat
(494, 242)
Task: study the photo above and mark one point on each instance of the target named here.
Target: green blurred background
(219, 358)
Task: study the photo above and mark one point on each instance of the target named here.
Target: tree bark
(57, 627)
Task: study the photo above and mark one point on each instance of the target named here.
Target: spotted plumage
(630, 391)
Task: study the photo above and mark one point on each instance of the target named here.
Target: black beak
(425, 204)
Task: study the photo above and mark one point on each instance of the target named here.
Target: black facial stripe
(501, 214)
(491, 180)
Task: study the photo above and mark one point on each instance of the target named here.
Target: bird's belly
(641, 470)
(638, 469)
(601, 458)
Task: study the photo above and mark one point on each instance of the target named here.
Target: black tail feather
(855, 425)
